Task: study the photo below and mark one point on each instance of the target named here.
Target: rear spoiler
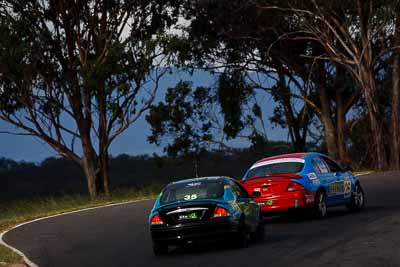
(272, 176)
(188, 202)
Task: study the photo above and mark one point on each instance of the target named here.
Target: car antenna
(196, 167)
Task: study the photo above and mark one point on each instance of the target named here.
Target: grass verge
(8, 256)
(16, 212)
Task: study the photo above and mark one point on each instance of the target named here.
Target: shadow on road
(302, 219)
(333, 213)
(216, 246)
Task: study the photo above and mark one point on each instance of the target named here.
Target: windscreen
(270, 168)
(193, 190)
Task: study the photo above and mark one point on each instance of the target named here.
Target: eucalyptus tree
(329, 41)
(276, 58)
(231, 37)
(357, 35)
(76, 74)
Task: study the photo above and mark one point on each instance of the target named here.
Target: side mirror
(256, 194)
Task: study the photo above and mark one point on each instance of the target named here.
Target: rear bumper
(212, 230)
(286, 201)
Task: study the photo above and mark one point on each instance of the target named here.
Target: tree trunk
(341, 111)
(330, 137)
(326, 116)
(300, 145)
(298, 141)
(373, 113)
(376, 131)
(367, 81)
(103, 142)
(89, 163)
(340, 129)
(89, 168)
(104, 173)
(394, 121)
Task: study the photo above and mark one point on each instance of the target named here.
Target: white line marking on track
(25, 258)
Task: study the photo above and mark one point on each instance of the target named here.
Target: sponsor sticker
(269, 202)
(194, 184)
(312, 176)
(316, 182)
(234, 205)
(309, 198)
(191, 216)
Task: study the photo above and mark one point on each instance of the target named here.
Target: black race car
(208, 208)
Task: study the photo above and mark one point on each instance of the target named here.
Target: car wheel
(241, 239)
(259, 234)
(320, 206)
(357, 201)
(160, 249)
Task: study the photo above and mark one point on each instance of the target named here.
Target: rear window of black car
(192, 190)
(275, 168)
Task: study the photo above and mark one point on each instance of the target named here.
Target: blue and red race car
(302, 180)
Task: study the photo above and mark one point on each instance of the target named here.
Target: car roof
(198, 179)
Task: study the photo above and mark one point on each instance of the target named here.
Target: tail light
(220, 212)
(156, 220)
(294, 187)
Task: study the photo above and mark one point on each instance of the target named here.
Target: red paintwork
(292, 155)
(274, 187)
(286, 202)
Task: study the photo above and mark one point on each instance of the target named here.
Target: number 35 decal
(347, 188)
(190, 197)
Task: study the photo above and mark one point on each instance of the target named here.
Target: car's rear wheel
(320, 206)
(241, 237)
(259, 234)
(160, 248)
(357, 202)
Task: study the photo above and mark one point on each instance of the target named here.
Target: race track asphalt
(118, 237)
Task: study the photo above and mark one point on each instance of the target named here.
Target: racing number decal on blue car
(336, 188)
(347, 188)
(342, 187)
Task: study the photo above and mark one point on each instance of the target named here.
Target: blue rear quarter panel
(313, 185)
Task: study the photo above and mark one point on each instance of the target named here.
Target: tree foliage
(320, 61)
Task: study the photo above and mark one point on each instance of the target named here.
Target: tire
(357, 201)
(259, 234)
(160, 249)
(241, 237)
(320, 206)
